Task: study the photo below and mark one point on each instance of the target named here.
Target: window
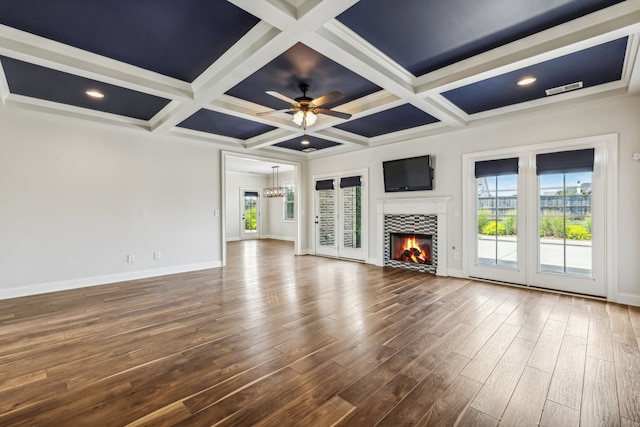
(289, 203)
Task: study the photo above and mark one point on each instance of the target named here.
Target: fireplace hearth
(411, 248)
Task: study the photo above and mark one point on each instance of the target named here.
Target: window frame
(290, 189)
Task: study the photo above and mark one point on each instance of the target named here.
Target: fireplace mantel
(421, 206)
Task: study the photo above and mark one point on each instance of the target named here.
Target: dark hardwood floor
(279, 340)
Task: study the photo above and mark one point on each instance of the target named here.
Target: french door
(340, 217)
(250, 217)
(538, 218)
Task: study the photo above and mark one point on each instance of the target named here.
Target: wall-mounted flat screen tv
(412, 174)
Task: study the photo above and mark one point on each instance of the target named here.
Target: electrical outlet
(157, 255)
(131, 258)
(456, 256)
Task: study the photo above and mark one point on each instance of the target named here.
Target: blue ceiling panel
(593, 66)
(314, 143)
(224, 124)
(302, 64)
(176, 38)
(392, 120)
(424, 35)
(51, 85)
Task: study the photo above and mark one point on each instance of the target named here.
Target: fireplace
(424, 219)
(411, 248)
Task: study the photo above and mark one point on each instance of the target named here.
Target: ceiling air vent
(309, 150)
(565, 88)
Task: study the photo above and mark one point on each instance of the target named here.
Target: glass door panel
(497, 236)
(497, 249)
(565, 224)
(351, 222)
(326, 222)
(250, 214)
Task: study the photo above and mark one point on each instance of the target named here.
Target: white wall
(77, 197)
(617, 115)
(275, 226)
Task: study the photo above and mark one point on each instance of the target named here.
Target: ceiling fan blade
(332, 113)
(264, 113)
(281, 96)
(325, 99)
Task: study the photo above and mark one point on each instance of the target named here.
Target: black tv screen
(413, 174)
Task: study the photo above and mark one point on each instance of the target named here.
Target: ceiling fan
(305, 109)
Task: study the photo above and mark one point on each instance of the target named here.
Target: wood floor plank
(480, 335)
(536, 321)
(449, 407)
(578, 323)
(490, 354)
(413, 407)
(568, 376)
(361, 390)
(621, 326)
(494, 396)
(527, 402)
(380, 402)
(306, 340)
(627, 367)
(599, 339)
(474, 418)
(329, 414)
(599, 397)
(556, 415)
(546, 350)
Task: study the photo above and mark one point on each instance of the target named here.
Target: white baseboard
(233, 239)
(269, 236)
(65, 285)
(454, 272)
(628, 299)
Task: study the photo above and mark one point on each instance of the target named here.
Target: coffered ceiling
(405, 68)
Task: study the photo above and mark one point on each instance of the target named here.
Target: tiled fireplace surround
(420, 215)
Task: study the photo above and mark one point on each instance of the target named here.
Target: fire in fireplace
(413, 248)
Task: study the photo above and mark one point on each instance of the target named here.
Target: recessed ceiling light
(305, 142)
(526, 81)
(95, 94)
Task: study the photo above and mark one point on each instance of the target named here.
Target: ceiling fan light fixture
(299, 118)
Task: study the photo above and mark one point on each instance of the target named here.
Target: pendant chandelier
(274, 190)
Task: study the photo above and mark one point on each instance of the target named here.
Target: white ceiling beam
(256, 49)
(634, 77)
(249, 54)
(220, 140)
(270, 138)
(47, 53)
(342, 136)
(342, 45)
(281, 15)
(248, 110)
(4, 85)
(34, 104)
(599, 27)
